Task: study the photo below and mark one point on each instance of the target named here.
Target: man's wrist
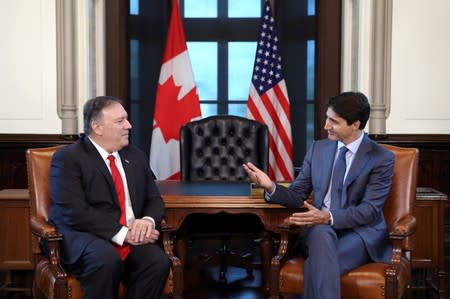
(330, 218)
(271, 189)
(150, 219)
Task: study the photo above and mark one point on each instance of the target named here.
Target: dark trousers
(100, 271)
(329, 254)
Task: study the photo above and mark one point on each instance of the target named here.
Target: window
(223, 33)
(228, 46)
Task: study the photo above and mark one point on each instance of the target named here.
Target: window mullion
(222, 76)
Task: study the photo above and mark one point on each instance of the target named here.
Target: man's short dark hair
(351, 106)
(93, 108)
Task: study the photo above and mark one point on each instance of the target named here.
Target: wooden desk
(183, 199)
(428, 256)
(15, 252)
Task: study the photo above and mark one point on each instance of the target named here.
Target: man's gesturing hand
(259, 177)
(310, 217)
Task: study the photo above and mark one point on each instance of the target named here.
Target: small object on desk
(258, 191)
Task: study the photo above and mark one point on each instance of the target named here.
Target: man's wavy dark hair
(351, 106)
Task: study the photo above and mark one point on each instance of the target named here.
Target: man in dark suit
(107, 206)
(344, 226)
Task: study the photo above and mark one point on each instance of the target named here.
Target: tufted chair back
(214, 148)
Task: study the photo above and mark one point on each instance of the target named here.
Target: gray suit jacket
(365, 191)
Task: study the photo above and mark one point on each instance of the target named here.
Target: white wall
(420, 70)
(28, 67)
(420, 89)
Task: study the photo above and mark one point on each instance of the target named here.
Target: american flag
(268, 100)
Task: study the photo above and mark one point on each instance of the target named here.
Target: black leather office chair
(214, 149)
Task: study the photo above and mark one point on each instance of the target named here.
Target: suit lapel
(96, 159)
(329, 156)
(362, 157)
(328, 162)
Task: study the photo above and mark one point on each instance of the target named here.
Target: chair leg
(246, 261)
(223, 263)
(231, 258)
(181, 245)
(37, 294)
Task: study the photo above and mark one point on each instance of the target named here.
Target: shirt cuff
(267, 195)
(150, 219)
(119, 238)
(331, 218)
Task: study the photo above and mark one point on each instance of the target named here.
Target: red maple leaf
(171, 113)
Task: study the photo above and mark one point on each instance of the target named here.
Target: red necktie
(123, 250)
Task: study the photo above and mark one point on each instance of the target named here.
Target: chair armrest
(402, 233)
(281, 256)
(48, 232)
(175, 262)
(44, 230)
(166, 229)
(402, 245)
(286, 230)
(403, 228)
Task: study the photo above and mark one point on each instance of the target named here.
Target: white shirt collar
(353, 146)
(103, 152)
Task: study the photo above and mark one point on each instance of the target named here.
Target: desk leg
(442, 286)
(266, 256)
(181, 245)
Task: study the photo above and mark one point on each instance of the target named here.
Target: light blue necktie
(338, 179)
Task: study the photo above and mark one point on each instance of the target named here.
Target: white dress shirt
(120, 236)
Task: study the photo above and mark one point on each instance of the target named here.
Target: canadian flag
(177, 101)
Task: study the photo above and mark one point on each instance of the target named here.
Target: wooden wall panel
(434, 157)
(13, 167)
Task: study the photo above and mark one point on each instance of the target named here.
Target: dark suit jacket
(84, 204)
(365, 191)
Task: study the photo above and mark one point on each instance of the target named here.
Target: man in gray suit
(344, 226)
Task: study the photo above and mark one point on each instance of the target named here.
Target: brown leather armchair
(373, 280)
(214, 149)
(50, 278)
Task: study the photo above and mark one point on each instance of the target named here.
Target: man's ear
(97, 128)
(356, 125)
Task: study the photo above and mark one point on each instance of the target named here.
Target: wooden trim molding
(328, 68)
(434, 157)
(13, 167)
(433, 141)
(116, 53)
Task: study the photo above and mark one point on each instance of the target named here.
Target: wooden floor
(204, 285)
(201, 283)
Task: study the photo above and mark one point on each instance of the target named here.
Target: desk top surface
(229, 195)
(172, 187)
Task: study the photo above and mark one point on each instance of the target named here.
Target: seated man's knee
(320, 235)
(151, 257)
(162, 263)
(102, 257)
